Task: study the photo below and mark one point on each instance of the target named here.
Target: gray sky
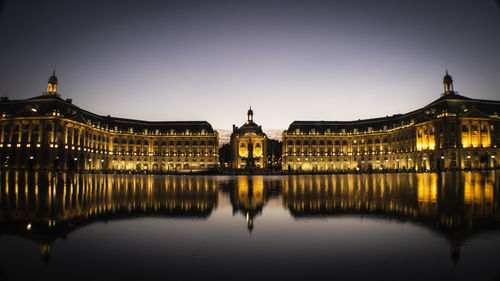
(208, 60)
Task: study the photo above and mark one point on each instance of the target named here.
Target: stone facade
(453, 132)
(47, 132)
(248, 145)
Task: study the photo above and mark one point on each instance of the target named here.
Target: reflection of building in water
(249, 195)
(44, 207)
(47, 132)
(452, 132)
(456, 205)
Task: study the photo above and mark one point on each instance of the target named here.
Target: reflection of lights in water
(406, 195)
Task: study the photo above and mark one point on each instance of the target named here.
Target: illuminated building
(452, 132)
(248, 145)
(47, 132)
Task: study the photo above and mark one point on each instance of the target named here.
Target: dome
(447, 79)
(250, 111)
(53, 78)
(250, 128)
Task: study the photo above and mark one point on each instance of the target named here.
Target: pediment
(475, 113)
(422, 118)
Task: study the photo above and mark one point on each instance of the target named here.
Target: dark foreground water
(319, 227)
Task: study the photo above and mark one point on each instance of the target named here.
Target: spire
(250, 115)
(448, 84)
(52, 84)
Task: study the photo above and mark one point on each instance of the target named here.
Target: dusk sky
(209, 60)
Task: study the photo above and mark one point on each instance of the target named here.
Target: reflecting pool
(414, 226)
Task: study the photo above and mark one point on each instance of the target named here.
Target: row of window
(337, 143)
(74, 133)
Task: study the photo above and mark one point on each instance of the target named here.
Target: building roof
(455, 103)
(249, 128)
(46, 105)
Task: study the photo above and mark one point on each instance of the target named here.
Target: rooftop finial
(448, 84)
(250, 115)
(52, 84)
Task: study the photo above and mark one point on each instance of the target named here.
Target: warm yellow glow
(465, 140)
(425, 139)
(51, 88)
(432, 143)
(243, 150)
(477, 190)
(476, 135)
(485, 139)
(257, 151)
(244, 189)
(427, 188)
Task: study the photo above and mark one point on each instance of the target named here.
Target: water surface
(306, 227)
